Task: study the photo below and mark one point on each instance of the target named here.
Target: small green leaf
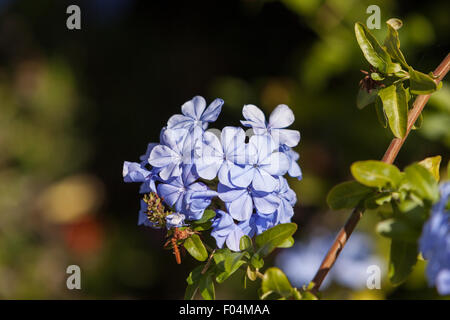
(289, 242)
(193, 280)
(398, 229)
(231, 265)
(432, 164)
(270, 239)
(206, 288)
(365, 98)
(376, 173)
(392, 43)
(251, 274)
(373, 52)
(195, 247)
(381, 115)
(377, 200)
(421, 83)
(207, 216)
(347, 195)
(245, 243)
(395, 23)
(403, 257)
(257, 261)
(376, 76)
(275, 281)
(418, 124)
(395, 106)
(422, 181)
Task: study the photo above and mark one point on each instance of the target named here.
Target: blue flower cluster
(301, 262)
(435, 243)
(249, 175)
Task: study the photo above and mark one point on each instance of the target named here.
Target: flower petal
(281, 117)
(242, 208)
(254, 116)
(241, 176)
(277, 164)
(234, 238)
(179, 121)
(194, 108)
(212, 112)
(133, 172)
(288, 137)
(263, 181)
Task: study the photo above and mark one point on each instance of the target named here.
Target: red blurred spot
(84, 236)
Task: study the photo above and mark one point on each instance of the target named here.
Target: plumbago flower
(435, 243)
(191, 175)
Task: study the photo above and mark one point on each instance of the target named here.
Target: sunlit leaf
(376, 55)
(270, 239)
(395, 106)
(432, 164)
(275, 281)
(422, 181)
(196, 248)
(392, 44)
(421, 83)
(376, 173)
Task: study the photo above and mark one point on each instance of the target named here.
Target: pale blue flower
(288, 198)
(195, 118)
(175, 150)
(137, 172)
(435, 243)
(258, 223)
(281, 117)
(294, 169)
(263, 162)
(215, 157)
(240, 202)
(225, 231)
(175, 220)
(178, 193)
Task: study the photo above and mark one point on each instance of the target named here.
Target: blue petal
(254, 116)
(194, 108)
(212, 112)
(263, 181)
(281, 117)
(242, 176)
(133, 172)
(234, 238)
(241, 209)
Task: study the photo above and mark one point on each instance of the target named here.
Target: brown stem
(389, 157)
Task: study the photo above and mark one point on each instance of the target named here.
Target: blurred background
(74, 104)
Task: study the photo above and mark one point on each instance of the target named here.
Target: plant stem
(389, 157)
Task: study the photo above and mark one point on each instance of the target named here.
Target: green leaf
(251, 274)
(193, 280)
(347, 195)
(245, 243)
(418, 124)
(421, 83)
(432, 164)
(206, 288)
(398, 229)
(377, 200)
(365, 98)
(270, 239)
(231, 263)
(373, 52)
(376, 76)
(275, 281)
(395, 106)
(257, 261)
(195, 247)
(207, 216)
(374, 173)
(422, 181)
(392, 44)
(289, 242)
(395, 23)
(381, 115)
(403, 257)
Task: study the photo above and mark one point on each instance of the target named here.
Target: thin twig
(389, 157)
